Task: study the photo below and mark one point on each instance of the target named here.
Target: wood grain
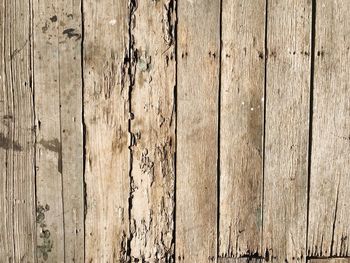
(241, 134)
(58, 101)
(17, 137)
(329, 227)
(106, 115)
(287, 123)
(238, 260)
(330, 260)
(152, 129)
(197, 130)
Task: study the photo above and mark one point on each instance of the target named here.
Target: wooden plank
(238, 260)
(330, 260)
(242, 109)
(197, 130)
(153, 132)
(17, 138)
(106, 113)
(329, 214)
(57, 78)
(286, 137)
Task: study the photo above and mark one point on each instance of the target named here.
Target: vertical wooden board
(286, 130)
(106, 113)
(198, 56)
(17, 138)
(329, 214)
(242, 92)
(330, 260)
(57, 78)
(153, 131)
(70, 39)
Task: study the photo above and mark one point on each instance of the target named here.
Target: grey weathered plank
(242, 92)
(58, 101)
(153, 131)
(286, 137)
(197, 130)
(17, 176)
(106, 114)
(329, 215)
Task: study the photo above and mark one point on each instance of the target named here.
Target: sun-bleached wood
(286, 130)
(106, 114)
(58, 107)
(241, 133)
(152, 129)
(329, 215)
(239, 260)
(17, 137)
(198, 53)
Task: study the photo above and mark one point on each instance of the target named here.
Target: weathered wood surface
(174, 131)
(152, 127)
(241, 133)
(17, 137)
(106, 116)
(286, 130)
(198, 53)
(329, 215)
(59, 151)
(330, 260)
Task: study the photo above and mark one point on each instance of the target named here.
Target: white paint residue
(113, 22)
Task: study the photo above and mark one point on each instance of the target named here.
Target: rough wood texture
(197, 130)
(17, 176)
(329, 223)
(152, 129)
(242, 92)
(330, 260)
(58, 101)
(106, 113)
(239, 260)
(286, 138)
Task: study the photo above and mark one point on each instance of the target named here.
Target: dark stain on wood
(8, 144)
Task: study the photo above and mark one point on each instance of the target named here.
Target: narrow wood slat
(242, 93)
(287, 123)
(329, 223)
(152, 129)
(197, 130)
(17, 176)
(58, 101)
(106, 113)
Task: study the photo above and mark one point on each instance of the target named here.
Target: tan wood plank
(242, 106)
(238, 260)
(330, 260)
(197, 130)
(106, 113)
(57, 78)
(17, 138)
(153, 131)
(329, 216)
(287, 123)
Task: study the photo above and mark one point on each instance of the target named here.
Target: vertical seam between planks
(83, 125)
(175, 130)
(312, 71)
(264, 136)
(218, 175)
(132, 5)
(32, 86)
